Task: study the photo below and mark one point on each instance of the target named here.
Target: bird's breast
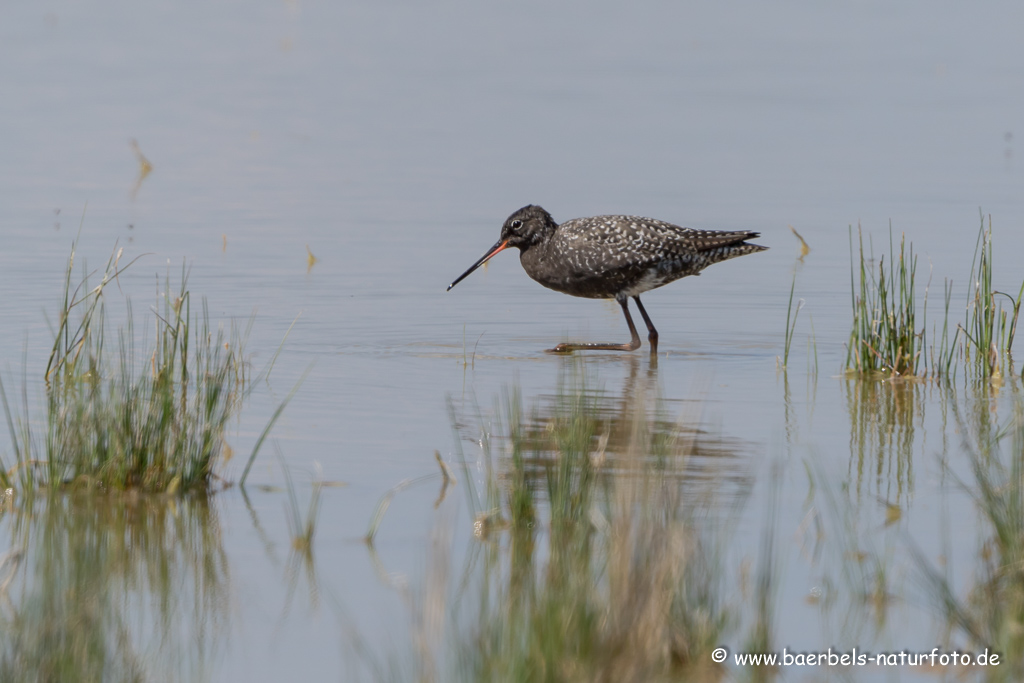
(587, 273)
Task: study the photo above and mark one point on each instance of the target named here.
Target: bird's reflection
(619, 430)
(594, 549)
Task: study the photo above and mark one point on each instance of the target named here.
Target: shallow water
(393, 141)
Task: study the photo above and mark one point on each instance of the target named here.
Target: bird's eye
(516, 224)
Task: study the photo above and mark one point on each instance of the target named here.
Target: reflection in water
(862, 562)
(790, 415)
(986, 615)
(882, 419)
(114, 587)
(858, 559)
(617, 431)
(595, 558)
(145, 168)
(852, 563)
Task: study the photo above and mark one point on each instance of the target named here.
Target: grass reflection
(882, 432)
(118, 587)
(989, 612)
(601, 541)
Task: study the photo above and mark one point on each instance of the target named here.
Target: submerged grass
(117, 418)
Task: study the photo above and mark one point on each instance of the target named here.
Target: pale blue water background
(394, 140)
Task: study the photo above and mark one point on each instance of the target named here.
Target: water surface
(392, 142)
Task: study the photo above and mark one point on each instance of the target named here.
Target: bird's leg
(652, 334)
(632, 345)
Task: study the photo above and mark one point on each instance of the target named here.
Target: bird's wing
(709, 240)
(620, 242)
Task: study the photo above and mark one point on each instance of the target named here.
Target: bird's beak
(500, 245)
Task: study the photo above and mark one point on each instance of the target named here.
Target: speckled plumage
(612, 257)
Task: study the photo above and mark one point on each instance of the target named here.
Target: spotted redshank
(612, 257)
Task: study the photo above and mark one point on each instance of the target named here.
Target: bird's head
(528, 226)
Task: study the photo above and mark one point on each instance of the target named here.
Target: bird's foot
(565, 348)
(562, 349)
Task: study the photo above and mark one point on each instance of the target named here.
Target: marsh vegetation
(607, 534)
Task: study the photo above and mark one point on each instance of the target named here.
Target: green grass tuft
(791, 316)
(884, 338)
(119, 419)
(989, 329)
